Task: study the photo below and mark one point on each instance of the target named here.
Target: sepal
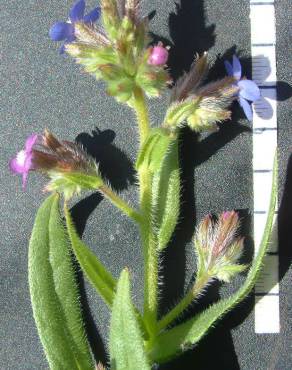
(71, 184)
(227, 272)
(152, 79)
(110, 18)
(91, 57)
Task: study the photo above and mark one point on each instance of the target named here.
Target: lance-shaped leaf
(182, 337)
(65, 284)
(94, 270)
(54, 294)
(126, 342)
(159, 154)
(153, 150)
(166, 195)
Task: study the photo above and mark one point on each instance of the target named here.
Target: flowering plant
(119, 51)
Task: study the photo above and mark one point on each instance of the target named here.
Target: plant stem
(184, 303)
(147, 235)
(120, 203)
(142, 113)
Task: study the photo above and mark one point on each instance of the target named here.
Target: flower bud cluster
(200, 107)
(218, 248)
(118, 51)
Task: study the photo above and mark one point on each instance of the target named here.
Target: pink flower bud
(218, 247)
(158, 56)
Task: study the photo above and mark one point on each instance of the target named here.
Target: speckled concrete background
(41, 89)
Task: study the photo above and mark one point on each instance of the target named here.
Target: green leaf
(59, 326)
(159, 155)
(66, 287)
(153, 150)
(94, 270)
(166, 195)
(126, 342)
(184, 336)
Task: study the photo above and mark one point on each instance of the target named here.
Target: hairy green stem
(120, 203)
(142, 113)
(184, 303)
(147, 235)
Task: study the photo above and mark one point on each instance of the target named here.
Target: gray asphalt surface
(41, 89)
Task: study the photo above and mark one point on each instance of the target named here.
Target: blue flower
(248, 90)
(66, 30)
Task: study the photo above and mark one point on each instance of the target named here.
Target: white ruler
(263, 41)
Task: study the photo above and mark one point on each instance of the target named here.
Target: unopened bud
(158, 55)
(218, 248)
(68, 166)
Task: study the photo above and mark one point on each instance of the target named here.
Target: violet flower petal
(28, 162)
(248, 90)
(30, 141)
(77, 11)
(24, 180)
(236, 66)
(92, 16)
(61, 31)
(68, 40)
(62, 49)
(228, 68)
(14, 166)
(246, 106)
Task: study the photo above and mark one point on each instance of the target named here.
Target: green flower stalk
(119, 51)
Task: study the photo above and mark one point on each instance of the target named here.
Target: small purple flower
(66, 30)
(22, 162)
(159, 55)
(248, 90)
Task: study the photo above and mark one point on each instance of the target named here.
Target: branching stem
(184, 303)
(146, 228)
(120, 203)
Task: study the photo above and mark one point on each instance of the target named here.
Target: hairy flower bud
(68, 166)
(200, 107)
(159, 55)
(118, 51)
(218, 247)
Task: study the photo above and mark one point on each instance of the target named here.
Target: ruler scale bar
(263, 41)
